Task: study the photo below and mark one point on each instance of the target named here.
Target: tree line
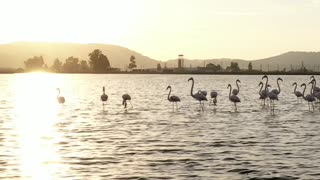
(98, 63)
(234, 68)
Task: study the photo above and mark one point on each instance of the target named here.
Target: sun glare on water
(36, 116)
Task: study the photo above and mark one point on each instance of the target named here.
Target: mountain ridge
(13, 55)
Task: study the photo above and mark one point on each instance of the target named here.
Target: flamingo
(277, 91)
(236, 91)
(316, 94)
(262, 93)
(104, 97)
(173, 99)
(297, 93)
(198, 96)
(315, 88)
(309, 98)
(233, 98)
(266, 90)
(125, 98)
(214, 96)
(60, 99)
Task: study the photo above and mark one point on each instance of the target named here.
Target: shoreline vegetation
(175, 73)
(99, 63)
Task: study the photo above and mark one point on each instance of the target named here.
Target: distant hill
(310, 60)
(13, 55)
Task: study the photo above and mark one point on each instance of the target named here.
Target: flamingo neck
(278, 85)
(238, 86)
(192, 88)
(260, 88)
(169, 94)
(295, 88)
(230, 91)
(304, 90)
(312, 86)
(266, 88)
(124, 102)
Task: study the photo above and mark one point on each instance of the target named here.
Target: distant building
(180, 61)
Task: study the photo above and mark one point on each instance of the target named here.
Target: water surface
(41, 139)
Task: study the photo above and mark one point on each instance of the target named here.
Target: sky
(162, 29)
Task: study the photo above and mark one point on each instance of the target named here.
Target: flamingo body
(104, 97)
(125, 98)
(60, 99)
(213, 94)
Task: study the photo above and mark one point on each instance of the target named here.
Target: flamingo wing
(310, 98)
(235, 98)
(200, 97)
(235, 92)
(273, 96)
(275, 91)
(298, 94)
(213, 94)
(126, 97)
(104, 97)
(316, 89)
(174, 99)
(61, 100)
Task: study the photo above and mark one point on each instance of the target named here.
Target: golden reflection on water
(36, 120)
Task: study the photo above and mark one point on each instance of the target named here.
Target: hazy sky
(162, 29)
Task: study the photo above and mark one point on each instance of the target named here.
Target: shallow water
(41, 139)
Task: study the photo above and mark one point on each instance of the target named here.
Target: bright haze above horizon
(162, 29)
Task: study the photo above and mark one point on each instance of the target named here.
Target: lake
(41, 139)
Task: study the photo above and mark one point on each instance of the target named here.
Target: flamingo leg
(125, 104)
(271, 106)
(202, 105)
(131, 104)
